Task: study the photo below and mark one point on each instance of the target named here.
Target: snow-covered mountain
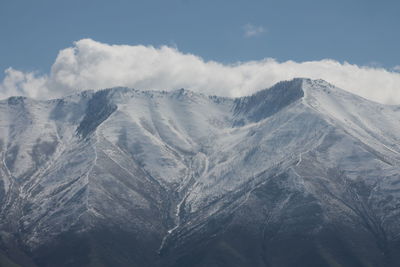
(300, 174)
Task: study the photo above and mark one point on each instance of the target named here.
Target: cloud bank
(93, 65)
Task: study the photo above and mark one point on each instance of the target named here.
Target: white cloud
(22, 83)
(251, 30)
(93, 65)
(396, 68)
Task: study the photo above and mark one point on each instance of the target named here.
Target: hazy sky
(364, 33)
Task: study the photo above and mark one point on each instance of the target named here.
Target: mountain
(300, 174)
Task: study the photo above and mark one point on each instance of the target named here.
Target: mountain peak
(269, 101)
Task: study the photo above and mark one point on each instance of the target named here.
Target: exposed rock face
(301, 174)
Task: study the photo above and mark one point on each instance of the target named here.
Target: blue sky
(361, 32)
(52, 48)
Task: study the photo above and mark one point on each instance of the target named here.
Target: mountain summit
(300, 174)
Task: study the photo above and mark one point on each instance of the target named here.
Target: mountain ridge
(171, 175)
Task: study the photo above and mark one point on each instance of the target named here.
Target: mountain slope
(301, 174)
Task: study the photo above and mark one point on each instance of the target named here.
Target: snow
(184, 149)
